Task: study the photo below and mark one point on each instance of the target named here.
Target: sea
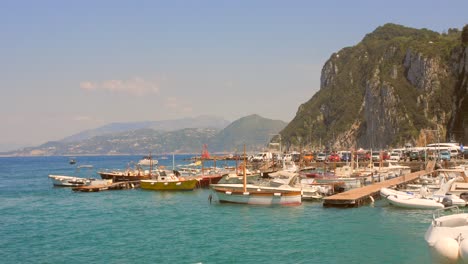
(40, 223)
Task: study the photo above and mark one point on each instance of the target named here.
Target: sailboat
(257, 195)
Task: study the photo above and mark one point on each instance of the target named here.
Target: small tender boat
(447, 236)
(413, 202)
(72, 181)
(72, 161)
(168, 181)
(423, 200)
(68, 181)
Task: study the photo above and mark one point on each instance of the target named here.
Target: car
(334, 157)
(346, 156)
(363, 156)
(308, 156)
(395, 156)
(414, 155)
(375, 156)
(321, 157)
(444, 155)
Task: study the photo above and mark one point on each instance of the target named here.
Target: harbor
(368, 194)
(58, 218)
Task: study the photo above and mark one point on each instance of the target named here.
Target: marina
(367, 194)
(58, 221)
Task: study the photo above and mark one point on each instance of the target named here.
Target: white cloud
(135, 86)
(88, 86)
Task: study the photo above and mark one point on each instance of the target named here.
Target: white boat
(447, 236)
(423, 199)
(68, 181)
(72, 181)
(413, 202)
(256, 195)
(148, 161)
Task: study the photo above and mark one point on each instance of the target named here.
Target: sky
(68, 66)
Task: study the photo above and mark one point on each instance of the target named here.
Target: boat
(72, 181)
(447, 236)
(77, 179)
(72, 161)
(68, 181)
(255, 194)
(162, 180)
(148, 161)
(424, 199)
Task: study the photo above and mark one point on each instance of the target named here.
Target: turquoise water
(40, 223)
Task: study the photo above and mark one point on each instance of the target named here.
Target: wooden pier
(104, 187)
(364, 195)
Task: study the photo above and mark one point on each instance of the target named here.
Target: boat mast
(245, 174)
(151, 163)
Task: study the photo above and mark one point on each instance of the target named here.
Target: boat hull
(206, 180)
(259, 198)
(414, 203)
(68, 181)
(187, 185)
(118, 177)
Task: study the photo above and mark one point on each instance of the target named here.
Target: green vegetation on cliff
(382, 92)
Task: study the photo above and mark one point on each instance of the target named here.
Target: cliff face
(398, 85)
(459, 121)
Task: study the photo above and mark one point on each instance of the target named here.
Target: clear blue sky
(67, 66)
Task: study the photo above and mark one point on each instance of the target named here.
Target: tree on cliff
(464, 36)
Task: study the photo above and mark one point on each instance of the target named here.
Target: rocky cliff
(398, 85)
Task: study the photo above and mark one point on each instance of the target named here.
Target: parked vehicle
(321, 157)
(363, 156)
(414, 155)
(263, 156)
(395, 156)
(375, 156)
(444, 155)
(334, 157)
(345, 156)
(308, 156)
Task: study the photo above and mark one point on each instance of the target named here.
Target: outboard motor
(447, 202)
(464, 196)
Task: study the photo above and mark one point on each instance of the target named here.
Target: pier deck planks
(359, 196)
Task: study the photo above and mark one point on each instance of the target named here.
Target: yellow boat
(163, 181)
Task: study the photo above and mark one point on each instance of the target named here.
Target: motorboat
(73, 181)
(148, 161)
(68, 181)
(257, 191)
(424, 199)
(162, 180)
(78, 179)
(447, 236)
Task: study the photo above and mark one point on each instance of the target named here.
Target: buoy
(446, 250)
(464, 251)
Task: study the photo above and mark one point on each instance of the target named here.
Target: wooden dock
(364, 195)
(104, 187)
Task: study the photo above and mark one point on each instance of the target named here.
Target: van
(262, 156)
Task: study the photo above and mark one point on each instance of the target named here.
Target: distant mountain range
(164, 125)
(169, 136)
